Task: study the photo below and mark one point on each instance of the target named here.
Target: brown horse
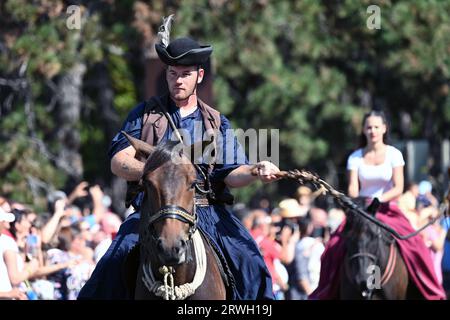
(174, 260)
(373, 268)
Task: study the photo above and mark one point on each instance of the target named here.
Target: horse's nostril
(181, 245)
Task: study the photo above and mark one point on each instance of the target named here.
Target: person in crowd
(25, 266)
(407, 204)
(434, 237)
(290, 211)
(270, 250)
(425, 197)
(71, 250)
(7, 291)
(305, 198)
(5, 207)
(110, 225)
(304, 271)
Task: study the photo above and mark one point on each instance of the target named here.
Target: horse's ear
(141, 147)
(373, 206)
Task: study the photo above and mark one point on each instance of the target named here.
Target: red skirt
(415, 254)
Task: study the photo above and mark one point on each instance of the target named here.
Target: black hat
(183, 51)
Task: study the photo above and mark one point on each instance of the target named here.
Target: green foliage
(122, 83)
(39, 42)
(20, 160)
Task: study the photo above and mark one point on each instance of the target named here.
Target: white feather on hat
(164, 30)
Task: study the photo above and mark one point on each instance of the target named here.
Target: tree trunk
(111, 122)
(68, 116)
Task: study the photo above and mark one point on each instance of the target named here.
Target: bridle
(202, 188)
(179, 213)
(167, 289)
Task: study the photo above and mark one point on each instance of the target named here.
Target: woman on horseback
(376, 171)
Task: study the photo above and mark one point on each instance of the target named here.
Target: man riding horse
(158, 120)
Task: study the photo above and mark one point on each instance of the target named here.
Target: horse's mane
(161, 155)
(358, 229)
(357, 226)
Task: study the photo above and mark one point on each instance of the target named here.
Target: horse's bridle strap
(201, 202)
(175, 212)
(390, 265)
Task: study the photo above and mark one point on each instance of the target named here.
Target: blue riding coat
(251, 277)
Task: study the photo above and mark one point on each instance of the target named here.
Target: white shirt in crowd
(375, 179)
(7, 244)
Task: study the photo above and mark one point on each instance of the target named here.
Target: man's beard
(186, 95)
(182, 95)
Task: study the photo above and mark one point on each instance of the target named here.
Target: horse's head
(168, 216)
(367, 252)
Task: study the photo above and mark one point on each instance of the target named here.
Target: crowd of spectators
(49, 256)
(292, 236)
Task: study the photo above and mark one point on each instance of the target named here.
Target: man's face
(182, 81)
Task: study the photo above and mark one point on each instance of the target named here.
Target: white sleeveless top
(6, 243)
(374, 180)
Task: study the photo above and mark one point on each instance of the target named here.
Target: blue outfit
(251, 277)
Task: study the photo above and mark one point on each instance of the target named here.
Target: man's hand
(242, 176)
(266, 171)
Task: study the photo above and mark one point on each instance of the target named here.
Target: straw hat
(303, 191)
(306, 191)
(290, 208)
